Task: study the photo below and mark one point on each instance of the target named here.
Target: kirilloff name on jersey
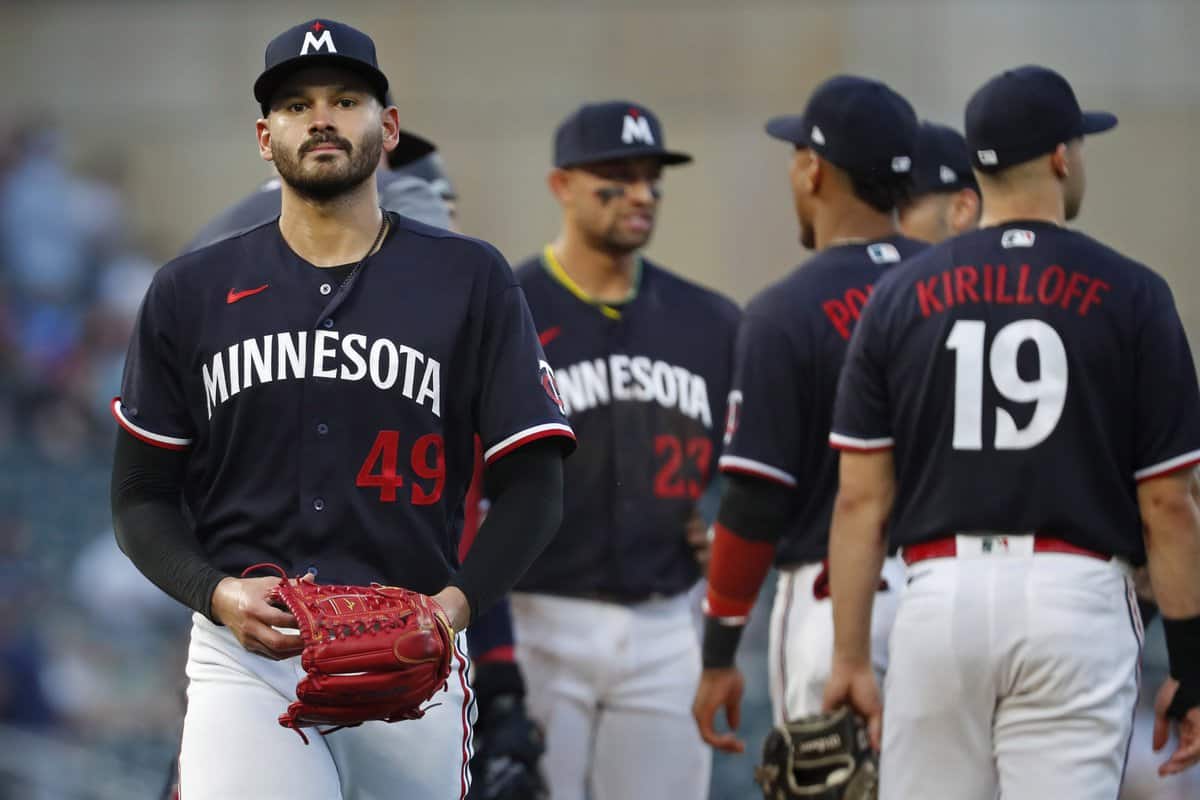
(633, 378)
(1001, 284)
(388, 365)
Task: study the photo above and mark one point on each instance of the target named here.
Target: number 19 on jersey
(1048, 391)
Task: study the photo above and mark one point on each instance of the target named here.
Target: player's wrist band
(1183, 654)
(720, 643)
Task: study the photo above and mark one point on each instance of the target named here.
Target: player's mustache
(322, 139)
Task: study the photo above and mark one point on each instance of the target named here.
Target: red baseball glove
(370, 653)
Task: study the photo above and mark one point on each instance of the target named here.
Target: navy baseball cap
(861, 125)
(1023, 113)
(941, 163)
(317, 42)
(611, 130)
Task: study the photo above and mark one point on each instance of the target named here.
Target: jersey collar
(551, 264)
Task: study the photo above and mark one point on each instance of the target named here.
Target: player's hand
(241, 605)
(720, 688)
(1187, 754)
(457, 607)
(855, 686)
(696, 533)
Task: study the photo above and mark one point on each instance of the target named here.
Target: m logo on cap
(636, 128)
(324, 41)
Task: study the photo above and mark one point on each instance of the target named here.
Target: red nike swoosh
(549, 335)
(235, 295)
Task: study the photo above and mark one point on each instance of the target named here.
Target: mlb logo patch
(994, 544)
(1016, 237)
(901, 164)
(947, 175)
(987, 157)
(816, 136)
(883, 253)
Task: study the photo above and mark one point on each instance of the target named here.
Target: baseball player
(945, 197)
(1019, 402)
(854, 147)
(507, 745)
(408, 182)
(310, 390)
(643, 358)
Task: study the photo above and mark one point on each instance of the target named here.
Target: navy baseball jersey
(790, 350)
(331, 424)
(644, 385)
(404, 194)
(1027, 377)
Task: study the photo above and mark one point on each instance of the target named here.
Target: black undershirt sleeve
(755, 508)
(526, 490)
(151, 529)
(150, 526)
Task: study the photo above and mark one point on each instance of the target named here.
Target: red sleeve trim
(526, 436)
(746, 466)
(501, 654)
(1167, 467)
(149, 437)
(736, 572)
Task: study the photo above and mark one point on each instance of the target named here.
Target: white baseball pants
(613, 685)
(234, 747)
(1012, 675)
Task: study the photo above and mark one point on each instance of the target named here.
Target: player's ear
(814, 173)
(263, 133)
(965, 210)
(389, 118)
(559, 182)
(1059, 163)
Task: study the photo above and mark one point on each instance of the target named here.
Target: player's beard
(322, 182)
(614, 241)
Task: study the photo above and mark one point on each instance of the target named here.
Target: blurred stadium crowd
(90, 653)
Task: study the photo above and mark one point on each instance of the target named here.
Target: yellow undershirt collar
(552, 265)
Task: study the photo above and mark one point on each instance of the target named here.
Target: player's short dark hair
(882, 192)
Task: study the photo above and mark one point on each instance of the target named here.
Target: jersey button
(326, 288)
(322, 428)
(327, 323)
(318, 504)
